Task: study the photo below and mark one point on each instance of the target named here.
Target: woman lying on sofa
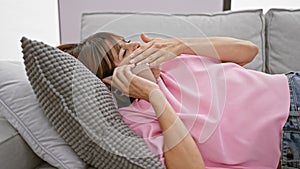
(201, 108)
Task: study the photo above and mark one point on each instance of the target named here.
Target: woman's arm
(223, 48)
(157, 50)
(180, 150)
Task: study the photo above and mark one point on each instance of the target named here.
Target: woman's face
(126, 48)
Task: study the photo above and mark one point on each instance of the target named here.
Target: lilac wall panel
(70, 10)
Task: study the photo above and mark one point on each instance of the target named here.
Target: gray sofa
(276, 33)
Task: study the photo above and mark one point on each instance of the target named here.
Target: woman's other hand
(130, 84)
(156, 51)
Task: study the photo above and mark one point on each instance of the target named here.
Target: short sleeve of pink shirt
(235, 115)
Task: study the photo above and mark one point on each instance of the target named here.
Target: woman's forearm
(180, 150)
(223, 48)
(158, 50)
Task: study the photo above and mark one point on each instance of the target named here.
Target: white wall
(264, 4)
(36, 19)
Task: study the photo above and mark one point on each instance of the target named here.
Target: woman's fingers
(146, 38)
(122, 78)
(140, 50)
(125, 75)
(144, 56)
(155, 48)
(157, 57)
(149, 59)
(131, 84)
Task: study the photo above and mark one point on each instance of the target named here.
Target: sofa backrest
(247, 25)
(277, 33)
(282, 40)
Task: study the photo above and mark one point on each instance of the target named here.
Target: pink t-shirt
(235, 115)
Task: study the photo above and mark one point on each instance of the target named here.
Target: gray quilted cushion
(82, 110)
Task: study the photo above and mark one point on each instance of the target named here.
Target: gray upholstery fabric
(14, 149)
(20, 107)
(44, 166)
(283, 40)
(247, 25)
(82, 110)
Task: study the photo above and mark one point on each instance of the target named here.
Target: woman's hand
(156, 51)
(131, 84)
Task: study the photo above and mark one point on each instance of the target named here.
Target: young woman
(202, 110)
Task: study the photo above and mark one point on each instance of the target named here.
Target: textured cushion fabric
(283, 40)
(247, 25)
(13, 148)
(19, 105)
(82, 110)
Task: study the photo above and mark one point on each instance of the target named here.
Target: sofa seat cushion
(14, 152)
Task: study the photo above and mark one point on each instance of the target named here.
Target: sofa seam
(81, 27)
(268, 44)
(12, 136)
(176, 14)
(263, 39)
(29, 133)
(284, 10)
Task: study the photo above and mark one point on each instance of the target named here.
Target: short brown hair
(96, 52)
